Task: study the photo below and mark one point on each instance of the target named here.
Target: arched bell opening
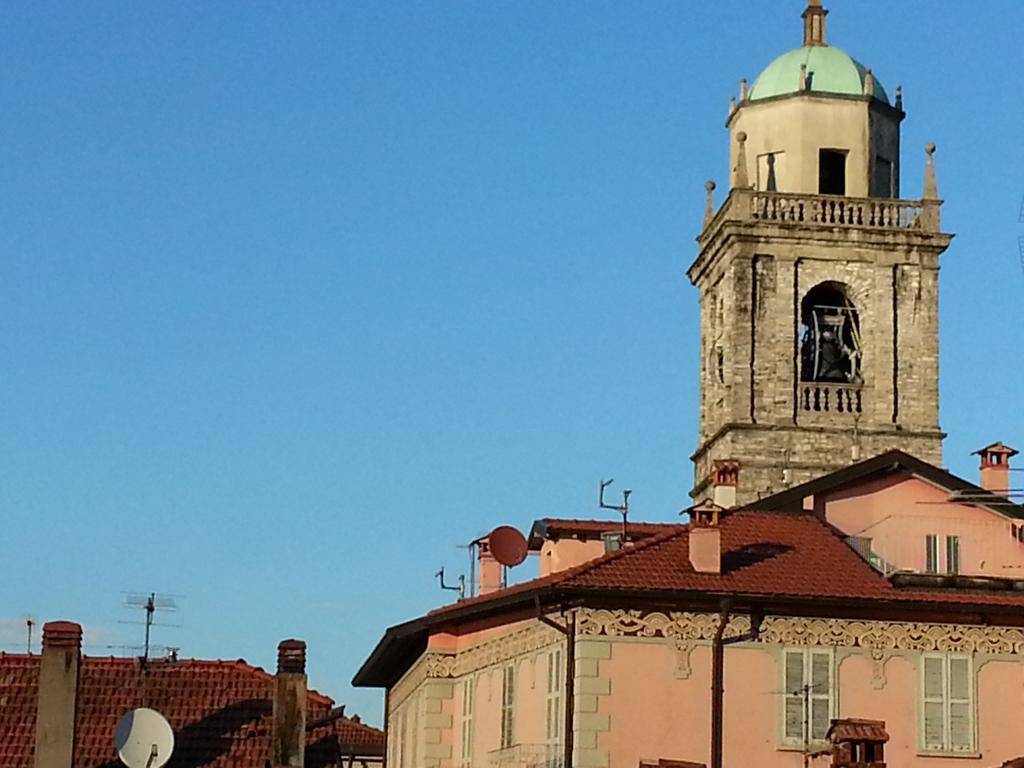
(830, 339)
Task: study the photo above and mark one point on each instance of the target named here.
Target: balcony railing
(816, 396)
(873, 213)
(879, 213)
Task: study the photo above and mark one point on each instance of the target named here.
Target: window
(931, 553)
(508, 699)
(468, 691)
(947, 703)
(809, 695)
(952, 555)
(831, 172)
(830, 338)
(553, 727)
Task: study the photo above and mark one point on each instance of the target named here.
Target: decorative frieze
(447, 664)
(875, 636)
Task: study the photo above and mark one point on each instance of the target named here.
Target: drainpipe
(569, 631)
(718, 673)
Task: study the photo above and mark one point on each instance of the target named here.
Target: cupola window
(831, 172)
(830, 345)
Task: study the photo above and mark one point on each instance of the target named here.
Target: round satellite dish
(143, 739)
(508, 546)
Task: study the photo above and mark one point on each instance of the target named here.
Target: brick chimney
(705, 539)
(724, 477)
(288, 730)
(58, 691)
(487, 568)
(994, 473)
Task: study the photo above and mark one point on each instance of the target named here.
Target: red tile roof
(219, 710)
(763, 554)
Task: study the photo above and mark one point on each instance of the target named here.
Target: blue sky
(296, 298)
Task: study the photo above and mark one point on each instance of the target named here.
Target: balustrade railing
(831, 398)
(881, 213)
(877, 213)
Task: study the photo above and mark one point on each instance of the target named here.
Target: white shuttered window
(508, 701)
(808, 695)
(553, 727)
(947, 703)
(468, 691)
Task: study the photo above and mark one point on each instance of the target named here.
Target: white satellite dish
(144, 739)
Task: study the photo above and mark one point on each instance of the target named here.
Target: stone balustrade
(874, 213)
(824, 397)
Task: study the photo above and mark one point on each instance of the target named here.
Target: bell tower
(818, 282)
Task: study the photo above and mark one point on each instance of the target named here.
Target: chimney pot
(488, 568)
(725, 476)
(291, 657)
(62, 634)
(994, 471)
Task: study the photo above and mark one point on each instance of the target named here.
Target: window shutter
(821, 694)
(933, 704)
(793, 727)
(961, 728)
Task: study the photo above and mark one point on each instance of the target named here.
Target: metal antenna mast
(150, 603)
(622, 509)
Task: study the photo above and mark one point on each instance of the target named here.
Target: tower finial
(814, 24)
(931, 188)
(709, 205)
(740, 180)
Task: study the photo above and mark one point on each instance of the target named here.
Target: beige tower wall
(798, 126)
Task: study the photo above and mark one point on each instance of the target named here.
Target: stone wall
(752, 276)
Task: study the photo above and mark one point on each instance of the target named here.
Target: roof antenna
(460, 587)
(30, 624)
(150, 603)
(622, 509)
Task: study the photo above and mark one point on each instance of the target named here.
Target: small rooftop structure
(857, 743)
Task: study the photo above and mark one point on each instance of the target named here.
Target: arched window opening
(830, 346)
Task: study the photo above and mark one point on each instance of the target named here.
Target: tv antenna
(144, 739)
(150, 603)
(622, 509)
(460, 587)
(30, 625)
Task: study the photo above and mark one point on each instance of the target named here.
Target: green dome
(829, 70)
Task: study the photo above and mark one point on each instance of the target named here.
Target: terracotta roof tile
(219, 710)
(763, 553)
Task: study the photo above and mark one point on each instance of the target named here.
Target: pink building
(789, 602)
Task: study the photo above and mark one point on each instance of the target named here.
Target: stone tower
(818, 284)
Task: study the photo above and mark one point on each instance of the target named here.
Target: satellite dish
(143, 739)
(507, 545)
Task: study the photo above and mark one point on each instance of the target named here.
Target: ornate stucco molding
(450, 664)
(875, 636)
